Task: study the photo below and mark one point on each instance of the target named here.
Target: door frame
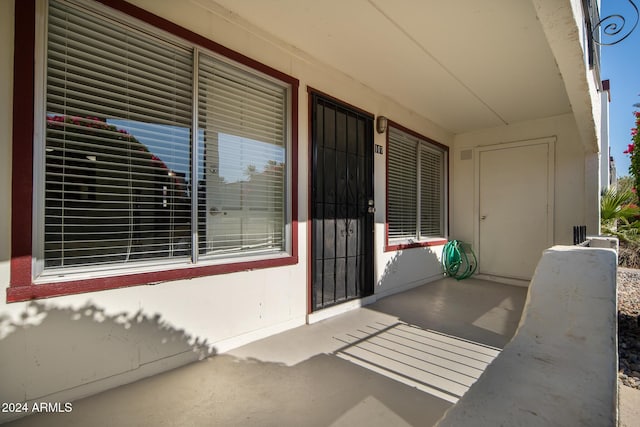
(550, 142)
(369, 273)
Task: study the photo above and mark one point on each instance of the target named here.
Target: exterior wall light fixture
(381, 124)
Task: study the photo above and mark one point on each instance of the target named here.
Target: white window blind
(121, 174)
(402, 186)
(431, 192)
(415, 188)
(242, 139)
(118, 107)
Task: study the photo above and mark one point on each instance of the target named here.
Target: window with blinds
(242, 140)
(120, 183)
(415, 188)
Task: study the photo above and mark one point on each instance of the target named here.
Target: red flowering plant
(76, 128)
(633, 150)
(619, 206)
(96, 136)
(76, 143)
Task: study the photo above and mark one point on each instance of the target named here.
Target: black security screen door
(342, 192)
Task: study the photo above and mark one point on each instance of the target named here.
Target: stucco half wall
(560, 368)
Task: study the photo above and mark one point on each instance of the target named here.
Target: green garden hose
(456, 262)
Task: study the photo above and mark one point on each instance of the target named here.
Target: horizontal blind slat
(432, 171)
(403, 154)
(244, 138)
(119, 113)
(403, 185)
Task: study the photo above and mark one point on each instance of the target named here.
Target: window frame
(23, 284)
(395, 244)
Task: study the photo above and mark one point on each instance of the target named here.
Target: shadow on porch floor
(400, 361)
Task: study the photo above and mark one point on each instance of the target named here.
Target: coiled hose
(455, 261)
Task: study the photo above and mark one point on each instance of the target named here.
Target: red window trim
(21, 286)
(401, 246)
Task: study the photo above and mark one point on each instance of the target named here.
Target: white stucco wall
(605, 176)
(563, 24)
(62, 348)
(569, 316)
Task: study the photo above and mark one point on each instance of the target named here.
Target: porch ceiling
(465, 65)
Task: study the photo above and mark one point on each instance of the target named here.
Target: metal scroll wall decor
(615, 28)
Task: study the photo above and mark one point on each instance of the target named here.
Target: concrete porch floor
(401, 361)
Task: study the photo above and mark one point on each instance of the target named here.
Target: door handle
(483, 217)
(215, 211)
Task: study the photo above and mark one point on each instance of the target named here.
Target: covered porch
(508, 101)
(403, 360)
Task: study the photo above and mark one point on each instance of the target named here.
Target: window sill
(25, 292)
(406, 244)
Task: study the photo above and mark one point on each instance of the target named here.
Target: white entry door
(515, 207)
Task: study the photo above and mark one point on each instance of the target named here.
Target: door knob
(483, 217)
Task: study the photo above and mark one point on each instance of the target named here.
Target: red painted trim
(446, 226)
(415, 134)
(43, 290)
(22, 148)
(386, 190)
(415, 245)
(387, 246)
(311, 91)
(310, 254)
(294, 168)
(195, 38)
(22, 287)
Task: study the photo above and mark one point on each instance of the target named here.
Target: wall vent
(466, 154)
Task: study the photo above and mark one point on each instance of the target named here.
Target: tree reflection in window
(109, 198)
